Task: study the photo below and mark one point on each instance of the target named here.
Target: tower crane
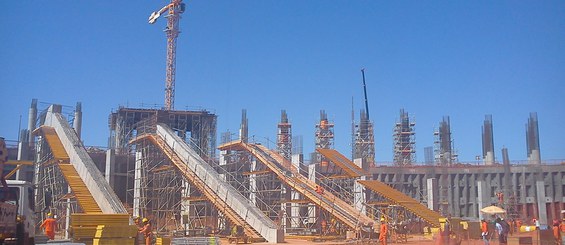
(174, 9)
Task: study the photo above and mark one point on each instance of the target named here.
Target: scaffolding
(154, 189)
(445, 156)
(364, 143)
(404, 141)
(444, 152)
(198, 126)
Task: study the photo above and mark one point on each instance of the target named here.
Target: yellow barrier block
(526, 228)
(163, 241)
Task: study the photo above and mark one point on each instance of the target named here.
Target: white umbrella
(493, 210)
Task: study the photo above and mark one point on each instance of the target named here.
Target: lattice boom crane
(175, 8)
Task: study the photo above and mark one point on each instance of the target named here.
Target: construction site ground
(513, 239)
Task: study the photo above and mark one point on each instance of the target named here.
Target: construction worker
(137, 223)
(484, 232)
(556, 233)
(50, 225)
(146, 230)
(383, 232)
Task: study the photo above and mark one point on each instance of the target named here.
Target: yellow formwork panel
(83, 232)
(113, 231)
(95, 220)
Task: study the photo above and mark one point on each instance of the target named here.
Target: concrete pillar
(359, 196)
(23, 151)
(77, 123)
(433, 194)
(32, 117)
(474, 195)
(137, 184)
(110, 171)
(185, 206)
(449, 189)
(456, 196)
(489, 158)
(542, 210)
(483, 196)
(295, 207)
(253, 183)
(524, 193)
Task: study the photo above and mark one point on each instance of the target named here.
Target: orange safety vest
(49, 224)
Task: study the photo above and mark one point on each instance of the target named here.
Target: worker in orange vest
(484, 232)
(383, 232)
(146, 230)
(556, 234)
(50, 225)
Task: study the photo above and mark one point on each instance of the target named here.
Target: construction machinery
(174, 9)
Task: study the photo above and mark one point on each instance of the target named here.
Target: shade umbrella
(493, 210)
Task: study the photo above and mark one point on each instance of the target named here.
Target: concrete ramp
(221, 194)
(340, 209)
(79, 170)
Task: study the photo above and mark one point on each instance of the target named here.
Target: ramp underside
(403, 200)
(79, 189)
(340, 209)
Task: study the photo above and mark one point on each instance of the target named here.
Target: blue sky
(463, 59)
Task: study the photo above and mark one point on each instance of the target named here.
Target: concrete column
(542, 210)
(474, 196)
(137, 184)
(359, 196)
(456, 196)
(32, 117)
(450, 197)
(483, 196)
(433, 194)
(489, 158)
(110, 166)
(253, 183)
(185, 206)
(524, 193)
(77, 123)
(295, 207)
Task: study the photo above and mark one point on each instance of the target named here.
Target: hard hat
(382, 219)
(145, 220)
(49, 214)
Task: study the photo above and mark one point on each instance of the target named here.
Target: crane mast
(174, 9)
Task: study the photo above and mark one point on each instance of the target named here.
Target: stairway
(81, 192)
